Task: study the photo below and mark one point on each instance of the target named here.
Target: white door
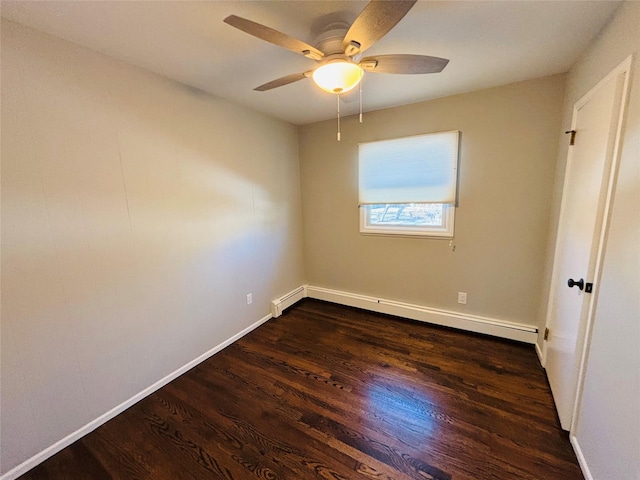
(585, 195)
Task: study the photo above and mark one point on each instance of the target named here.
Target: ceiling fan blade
(273, 36)
(403, 64)
(373, 23)
(286, 80)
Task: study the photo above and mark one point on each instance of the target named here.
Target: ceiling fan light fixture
(338, 77)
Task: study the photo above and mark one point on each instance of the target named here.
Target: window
(408, 186)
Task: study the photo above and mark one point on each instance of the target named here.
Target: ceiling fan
(339, 49)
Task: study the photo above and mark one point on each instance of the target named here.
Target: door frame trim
(585, 331)
(623, 68)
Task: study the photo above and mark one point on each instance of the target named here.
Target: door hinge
(546, 333)
(572, 139)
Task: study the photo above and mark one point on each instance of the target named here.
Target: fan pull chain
(338, 97)
(361, 98)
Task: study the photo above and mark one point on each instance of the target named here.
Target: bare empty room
(320, 239)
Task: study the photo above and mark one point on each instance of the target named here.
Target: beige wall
(507, 165)
(136, 215)
(608, 422)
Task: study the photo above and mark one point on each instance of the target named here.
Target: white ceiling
(489, 43)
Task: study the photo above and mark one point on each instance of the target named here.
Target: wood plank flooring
(330, 392)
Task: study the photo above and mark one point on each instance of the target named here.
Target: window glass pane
(407, 214)
(408, 219)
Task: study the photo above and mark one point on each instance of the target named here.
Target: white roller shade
(419, 169)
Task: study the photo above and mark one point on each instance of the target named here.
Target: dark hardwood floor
(329, 392)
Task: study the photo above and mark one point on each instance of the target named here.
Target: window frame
(446, 231)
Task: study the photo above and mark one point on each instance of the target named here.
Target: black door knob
(573, 283)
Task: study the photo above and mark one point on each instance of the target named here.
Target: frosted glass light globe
(338, 77)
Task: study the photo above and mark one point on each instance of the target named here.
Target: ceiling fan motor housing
(330, 40)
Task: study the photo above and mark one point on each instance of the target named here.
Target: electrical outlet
(249, 298)
(462, 298)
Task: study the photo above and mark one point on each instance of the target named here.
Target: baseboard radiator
(280, 304)
(463, 321)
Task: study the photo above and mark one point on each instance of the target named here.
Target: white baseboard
(463, 321)
(540, 355)
(581, 460)
(89, 427)
(279, 304)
